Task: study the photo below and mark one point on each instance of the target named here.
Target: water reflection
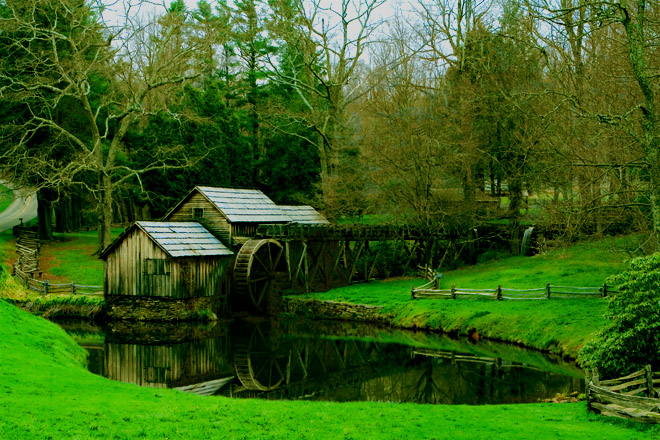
(323, 361)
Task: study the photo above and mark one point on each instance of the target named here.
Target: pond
(259, 358)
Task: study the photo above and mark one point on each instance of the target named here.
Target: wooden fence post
(649, 381)
(453, 291)
(46, 287)
(412, 291)
(547, 290)
(73, 288)
(437, 276)
(498, 294)
(604, 290)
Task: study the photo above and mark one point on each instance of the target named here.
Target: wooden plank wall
(189, 277)
(213, 219)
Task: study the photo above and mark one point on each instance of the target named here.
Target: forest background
(429, 117)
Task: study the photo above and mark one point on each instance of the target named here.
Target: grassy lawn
(45, 392)
(561, 325)
(68, 258)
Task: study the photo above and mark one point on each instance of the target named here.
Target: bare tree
(62, 56)
(631, 29)
(326, 41)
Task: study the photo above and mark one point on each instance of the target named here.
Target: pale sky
(115, 9)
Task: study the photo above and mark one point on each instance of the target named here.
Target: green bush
(632, 338)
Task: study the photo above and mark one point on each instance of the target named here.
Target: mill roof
(244, 205)
(304, 214)
(178, 239)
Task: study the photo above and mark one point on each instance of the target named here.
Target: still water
(323, 361)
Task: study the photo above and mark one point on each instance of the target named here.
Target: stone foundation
(154, 308)
(335, 310)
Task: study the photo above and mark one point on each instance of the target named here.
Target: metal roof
(304, 214)
(244, 205)
(184, 239)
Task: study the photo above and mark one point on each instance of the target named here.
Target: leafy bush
(632, 338)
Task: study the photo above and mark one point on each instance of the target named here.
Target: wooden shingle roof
(244, 205)
(304, 214)
(177, 239)
(184, 239)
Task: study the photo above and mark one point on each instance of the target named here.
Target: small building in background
(165, 271)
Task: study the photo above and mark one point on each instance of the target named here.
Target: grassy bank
(45, 392)
(6, 197)
(561, 325)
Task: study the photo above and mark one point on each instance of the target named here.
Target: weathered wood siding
(213, 219)
(244, 229)
(138, 267)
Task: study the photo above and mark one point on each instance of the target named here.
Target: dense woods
(443, 115)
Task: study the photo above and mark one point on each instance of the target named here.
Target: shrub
(632, 338)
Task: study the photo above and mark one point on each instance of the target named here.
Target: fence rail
(631, 397)
(46, 287)
(432, 290)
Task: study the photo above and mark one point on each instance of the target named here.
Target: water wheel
(259, 364)
(257, 265)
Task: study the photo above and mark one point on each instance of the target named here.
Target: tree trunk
(634, 25)
(45, 214)
(104, 210)
(515, 203)
(67, 213)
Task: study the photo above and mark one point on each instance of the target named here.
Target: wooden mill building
(177, 265)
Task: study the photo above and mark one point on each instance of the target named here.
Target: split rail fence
(631, 397)
(46, 287)
(432, 290)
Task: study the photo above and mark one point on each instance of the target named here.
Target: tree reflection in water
(323, 361)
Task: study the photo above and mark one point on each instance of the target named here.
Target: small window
(156, 267)
(198, 212)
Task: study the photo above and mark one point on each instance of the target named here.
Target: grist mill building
(185, 266)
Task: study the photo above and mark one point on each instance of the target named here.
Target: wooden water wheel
(257, 265)
(259, 364)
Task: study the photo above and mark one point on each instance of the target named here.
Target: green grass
(68, 258)
(6, 197)
(583, 264)
(45, 392)
(561, 325)
(73, 257)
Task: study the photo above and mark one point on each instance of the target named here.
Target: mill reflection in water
(324, 361)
